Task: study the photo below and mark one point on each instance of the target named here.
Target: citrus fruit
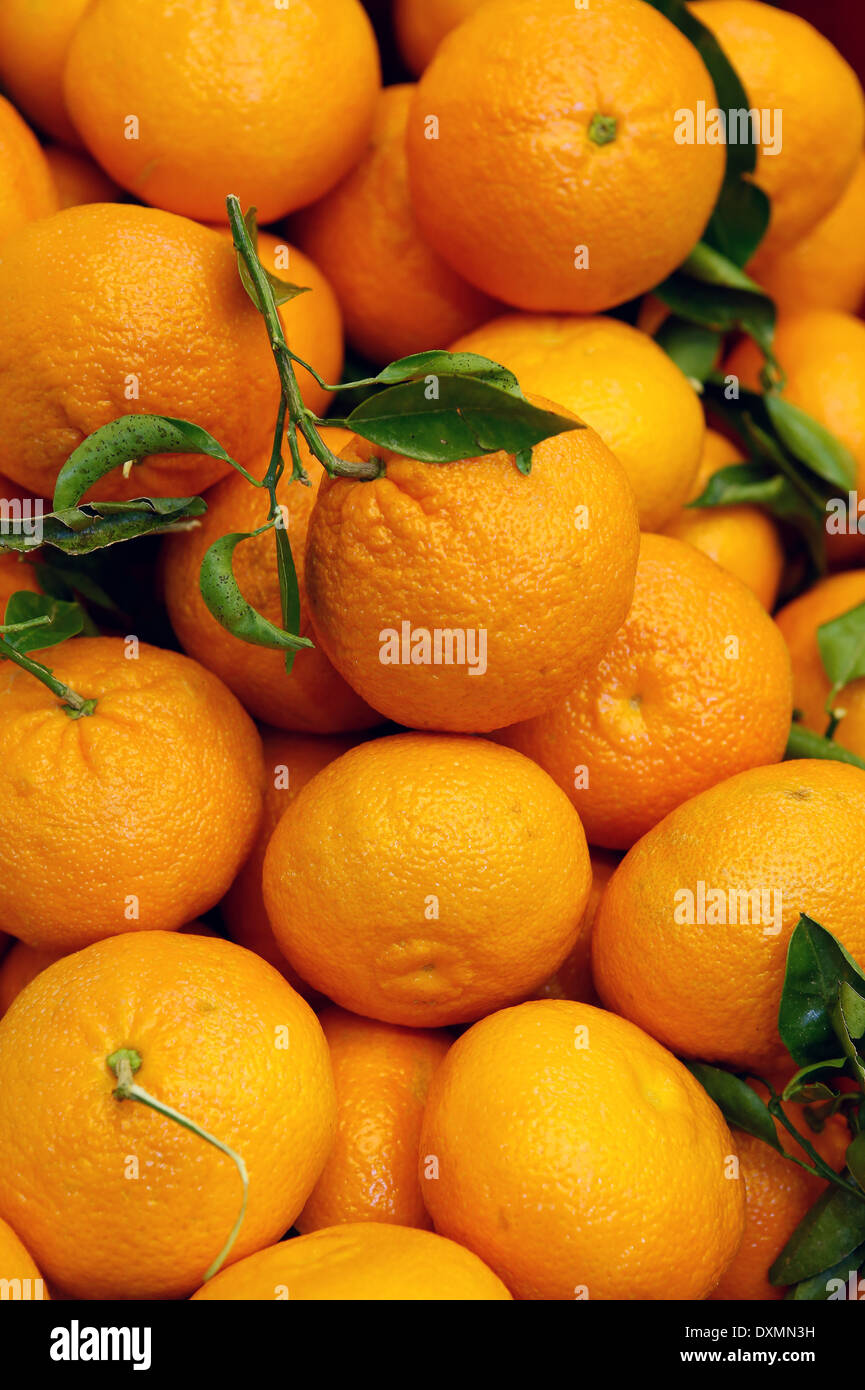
(114, 1200)
(426, 879)
(826, 269)
(621, 383)
(18, 1273)
(114, 310)
(363, 1261)
(542, 159)
(27, 189)
(382, 1075)
(528, 1158)
(742, 539)
(290, 761)
(78, 180)
(271, 103)
(468, 595)
(694, 687)
(422, 24)
(313, 698)
(34, 40)
(134, 817)
(573, 979)
(690, 941)
(799, 623)
(802, 88)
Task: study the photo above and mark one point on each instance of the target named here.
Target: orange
(426, 879)
(542, 157)
(271, 103)
(314, 698)
(813, 110)
(397, 295)
(114, 1200)
(27, 189)
(742, 539)
(694, 687)
(822, 353)
(382, 1075)
(131, 818)
(799, 621)
(422, 24)
(78, 180)
(16, 1267)
(113, 310)
(670, 949)
(826, 269)
(528, 1158)
(364, 1261)
(290, 761)
(621, 383)
(34, 40)
(467, 595)
(573, 979)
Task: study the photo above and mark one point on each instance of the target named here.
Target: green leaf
(720, 308)
(711, 268)
(288, 589)
(283, 290)
(853, 1005)
(833, 1229)
(692, 347)
(449, 364)
(128, 439)
(469, 417)
(811, 442)
(95, 525)
(816, 966)
(802, 743)
(821, 1287)
(64, 620)
(842, 647)
(221, 593)
(800, 1086)
(740, 220)
(738, 1102)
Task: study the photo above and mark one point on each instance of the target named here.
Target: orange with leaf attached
(799, 623)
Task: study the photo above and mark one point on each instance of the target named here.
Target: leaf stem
(819, 1167)
(73, 704)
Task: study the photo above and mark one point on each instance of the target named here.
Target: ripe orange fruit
(799, 622)
(573, 979)
(27, 189)
(422, 24)
(154, 306)
(363, 1261)
(34, 41)
(528, 1158)
(592, 200)
(132, 818)
(466, 595)
(113, 1199)
(742, 539)
(78, 180)
(694, 687)
(485, 868)
(290, 761)
(670, 950)
(382, 1075)
(271, 103)
(397, 295)
(826, 269)
(314, 698)
(17, 1267)
(621, 383)
(795, 76)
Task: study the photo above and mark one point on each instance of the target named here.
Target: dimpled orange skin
(514, 192)
(542, 565)
(382, 1075)
(16, 1263)
(799, 622)
(425, 879)
(528, 1158)
(712, 990)
(742, 539)
(786, 66)
(826, 269)
(34, 41)
(294, 758)
(573, 979)
(672, 707)
(397, 295)
(621, 383)
(313, 698)
(86, 319)
(78, 180)
(206, 1018)
(232, 96)
(27, 190)
(422, 24)
(365, 1261)
(148, 806)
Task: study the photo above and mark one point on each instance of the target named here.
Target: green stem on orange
(73, 704)
(818, 1166)
(125, 1063)
(602, 129)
